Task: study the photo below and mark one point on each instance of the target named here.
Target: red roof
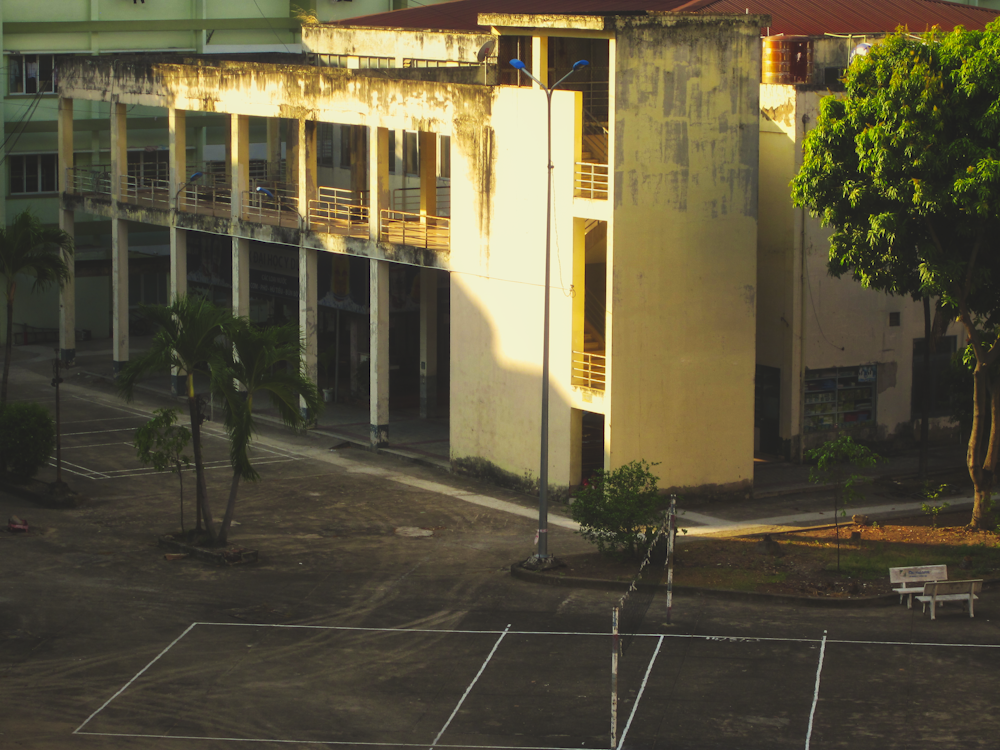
(812, 17)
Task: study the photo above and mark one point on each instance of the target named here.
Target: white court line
(819, 671)
(99, 432)
(635, 706)
(471, 685)
(137, 676)
(90, 473)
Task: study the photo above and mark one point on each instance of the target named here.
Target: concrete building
(653, 221)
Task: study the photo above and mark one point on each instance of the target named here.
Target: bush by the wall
(619, 509)
(27, 438)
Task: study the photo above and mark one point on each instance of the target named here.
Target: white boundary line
(136, 677)
(471, 685)
(352, 743)
(638, 697)
(819, 671)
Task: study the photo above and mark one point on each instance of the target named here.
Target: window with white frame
(33, 74)
(33, 173)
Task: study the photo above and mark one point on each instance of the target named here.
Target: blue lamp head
(265, 191)
(515, 63)
(194, 177)
(580, 64)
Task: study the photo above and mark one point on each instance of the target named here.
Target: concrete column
(428, 173)
(378, 304)
(428, 342)
(67, 294)
(307, 169)
(178, 288)
(119, 149)
(119, 293)
(239, 161)
(308, 309)
(540, 59)
(241, 277)
(177, 124)
(579, 282)
(378, 179)
(274, 147)
(292, 156)
(355, 353)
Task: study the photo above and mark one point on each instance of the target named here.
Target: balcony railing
(141, 191)
(589, 370)
(208, 200)
(592, 180)
(431, 232)
(408, 199)
(273, 203)
(92, 180)
(338, 211)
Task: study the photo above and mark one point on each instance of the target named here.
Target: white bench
(950, 591)
(916, 574)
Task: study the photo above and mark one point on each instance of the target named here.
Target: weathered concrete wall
(682, 258)
(398, 44)
(497, 311)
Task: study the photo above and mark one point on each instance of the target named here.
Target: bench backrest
(918, 574)
(940, 588)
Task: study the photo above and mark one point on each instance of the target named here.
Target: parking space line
(819, 671)
(82, 471)
(638, 697)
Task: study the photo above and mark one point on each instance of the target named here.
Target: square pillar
(119, 149)
(540, 59)
(308, 318)
(307, 169)
(67, 293)
(378, 179)
(119, 293)
(379, 353)
(428, 173)
(241, 277)
(178, 288)
(292, 156)
(177, 139)
(239, 161)
(428, 342)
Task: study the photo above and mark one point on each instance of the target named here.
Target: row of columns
(303, 168)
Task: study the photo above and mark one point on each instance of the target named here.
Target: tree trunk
(180, 479)
(925, 400)
(227, 519)
(982, 463)
(9, 346)
(199, 468)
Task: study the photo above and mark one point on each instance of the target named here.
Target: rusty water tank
(787, 59)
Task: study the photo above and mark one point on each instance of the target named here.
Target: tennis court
(248, 684)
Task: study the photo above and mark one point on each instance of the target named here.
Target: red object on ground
(16, 524)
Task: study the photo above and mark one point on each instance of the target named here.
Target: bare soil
(805, 563)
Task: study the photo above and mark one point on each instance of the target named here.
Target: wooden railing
(589, 370)
(591, 180)
(431, 232)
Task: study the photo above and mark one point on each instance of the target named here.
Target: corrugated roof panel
(811, 17)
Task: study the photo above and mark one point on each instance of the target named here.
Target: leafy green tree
(30, 248)
(620, 509)
(905, 170)
(27, 438)
(259, 363)
(189, 337)
(160, 443)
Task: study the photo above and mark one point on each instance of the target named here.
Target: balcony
(418, 230)
(589, 370)
(338, 212)
(273, 203)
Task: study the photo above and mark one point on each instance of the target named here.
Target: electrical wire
(273, 30)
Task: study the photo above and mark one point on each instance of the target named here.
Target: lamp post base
(536, 563)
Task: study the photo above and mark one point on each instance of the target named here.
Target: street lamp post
(541, 558)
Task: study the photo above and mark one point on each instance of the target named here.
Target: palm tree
(190, 338)
(31, 248)
(260, 361)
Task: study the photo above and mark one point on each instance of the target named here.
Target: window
(152, 164)
(411, 157)
(392, 152)
(445, 149)
(324, 144)
(33, 173)
(33, 74)
(345, 146)
(940, 362)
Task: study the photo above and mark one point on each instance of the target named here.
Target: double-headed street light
(541, 558)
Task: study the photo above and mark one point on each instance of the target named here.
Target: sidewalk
(783, 496)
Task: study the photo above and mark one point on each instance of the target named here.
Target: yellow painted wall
(683, 259)
(497, 304)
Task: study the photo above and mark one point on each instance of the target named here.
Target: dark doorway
(766, 408)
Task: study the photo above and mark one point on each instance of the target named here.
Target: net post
(614, 677)
(671, 532)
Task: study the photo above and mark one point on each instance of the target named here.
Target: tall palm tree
(31, 248)
(260, 362)
(190, 338)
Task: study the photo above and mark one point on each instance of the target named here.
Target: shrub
(619, 509)
(27, 438)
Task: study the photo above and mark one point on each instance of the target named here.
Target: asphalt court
(247, 684)
(101, 449)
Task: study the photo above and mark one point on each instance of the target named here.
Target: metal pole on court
(671, 531)
(614, 677)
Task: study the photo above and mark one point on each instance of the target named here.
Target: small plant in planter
(619, 510)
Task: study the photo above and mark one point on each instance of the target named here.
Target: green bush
(27, 438)
(620, 509)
